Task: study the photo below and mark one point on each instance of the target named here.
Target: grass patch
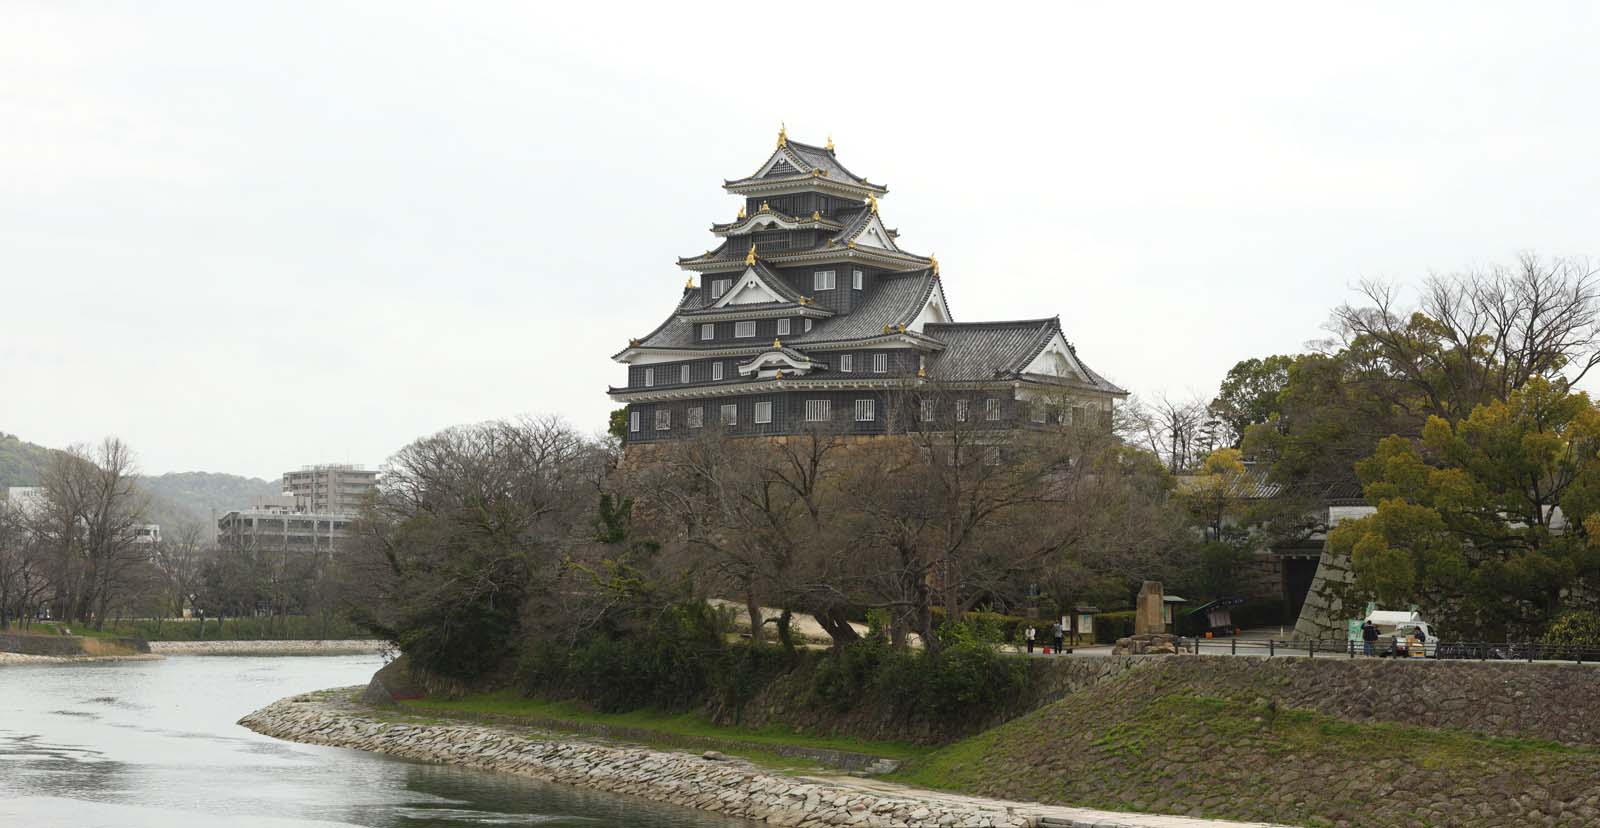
(1085, 752)
(694, 725)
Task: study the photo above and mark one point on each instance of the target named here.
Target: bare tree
(179, 557)
(91, 509)
(1475, 336)
(1180, 432)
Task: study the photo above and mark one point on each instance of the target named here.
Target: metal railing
(1528, 651)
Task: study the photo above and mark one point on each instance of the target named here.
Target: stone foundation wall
(729, 787)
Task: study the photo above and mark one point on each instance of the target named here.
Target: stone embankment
(268, 648)
(730, 787)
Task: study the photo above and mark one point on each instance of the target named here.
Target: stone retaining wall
(729, 787)
(263, 648)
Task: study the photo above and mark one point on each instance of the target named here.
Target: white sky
(246, 239)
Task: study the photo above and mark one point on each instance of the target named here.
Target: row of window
(880, 363)
(683, 374)
(817, 411)
(747, 329)
(991, 410)
(847, 365)
(820, 280)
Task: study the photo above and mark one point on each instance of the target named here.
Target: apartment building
(331, 488)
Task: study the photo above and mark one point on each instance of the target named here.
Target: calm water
(154, 744)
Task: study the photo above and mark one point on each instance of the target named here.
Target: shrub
(680, 661)
(968, 677)
(1571, 630)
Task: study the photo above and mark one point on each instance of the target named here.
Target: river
(153, 743)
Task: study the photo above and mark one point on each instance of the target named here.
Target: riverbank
(23, 659)
(268, 648)
(728, 786)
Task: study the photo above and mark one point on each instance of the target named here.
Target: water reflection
(155, 744)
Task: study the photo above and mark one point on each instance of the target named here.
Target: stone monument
(1149, 617)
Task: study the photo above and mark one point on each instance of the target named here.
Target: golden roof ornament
(765, 207)
(851, 244)
(872, 201)
(741, 211)
(830, 142)
(776, 343)
(750, 258)
(933, 262)
(783, 135)
(633, 343)
(886, 329)
(922, 373)
(816, 215)
(689, 284)
(778, 374)
(816, 172)
(902, 327)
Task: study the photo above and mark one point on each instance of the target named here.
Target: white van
(1395, 626)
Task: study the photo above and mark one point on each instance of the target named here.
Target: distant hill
(194, 497)
(176, 498)
(20, 461)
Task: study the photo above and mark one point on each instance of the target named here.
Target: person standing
(1030, 635)
(1369, 638)
(1060, 634)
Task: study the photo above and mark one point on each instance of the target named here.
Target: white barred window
(683, 372)
(880, 363)
(730, 415)
(716, 371)
(783, 327)
(633, 421)
(866, 411)
(991, 409)
(808, 326)
(855, 280)
(763, 412)
(1038, 412)
(719, 287)
(696, 417)
(822, 280)
(708, 331)
(817, 411)
(745, 329)
(663, 420)
(847, 363)
(649, 377)
(961, 411)
(927, 411)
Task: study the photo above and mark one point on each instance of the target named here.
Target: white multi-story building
(281, 523)
(331, 488)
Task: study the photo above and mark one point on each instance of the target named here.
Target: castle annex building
(809, 314)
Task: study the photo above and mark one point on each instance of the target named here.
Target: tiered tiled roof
(891, 311)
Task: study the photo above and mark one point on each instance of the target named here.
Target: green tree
(1249, 394)
(1486, 521)
(618, 425)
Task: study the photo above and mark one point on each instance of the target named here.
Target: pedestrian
(1369, 638)
(1060, 633)
(1030, 635)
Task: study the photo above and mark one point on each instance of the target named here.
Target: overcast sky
(246, 239)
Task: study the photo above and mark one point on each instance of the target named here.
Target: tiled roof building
(809, 313)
